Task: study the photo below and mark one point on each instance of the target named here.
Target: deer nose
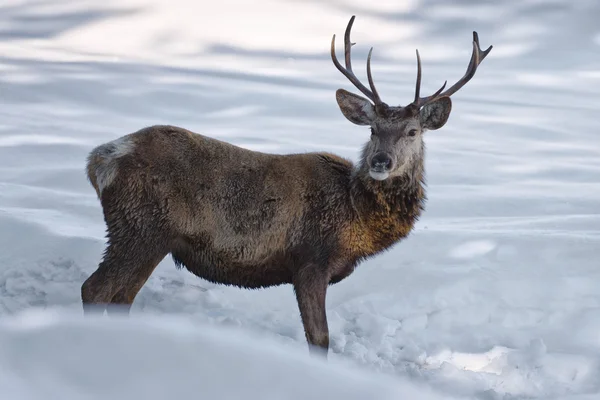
(381, 162)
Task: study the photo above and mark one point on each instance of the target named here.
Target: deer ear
(357, 109)
(434, 115)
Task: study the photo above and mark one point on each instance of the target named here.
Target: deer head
(396, 132)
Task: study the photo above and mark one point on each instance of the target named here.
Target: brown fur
(253, 220)
(239, 217)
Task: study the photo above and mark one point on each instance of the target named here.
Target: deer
(249, 219)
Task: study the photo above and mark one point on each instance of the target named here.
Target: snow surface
(496, 294)
(66, 357)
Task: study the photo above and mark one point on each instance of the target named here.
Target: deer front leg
(310, 285)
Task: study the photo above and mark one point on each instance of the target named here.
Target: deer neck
(386, 211)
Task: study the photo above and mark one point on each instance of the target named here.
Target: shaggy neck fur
(388, 209)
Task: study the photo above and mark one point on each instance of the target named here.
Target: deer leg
(96, 290)
(122, 300)
(310, 285)
(124, 269)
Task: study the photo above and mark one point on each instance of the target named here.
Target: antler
(348, 73)
(421, 101)
(476, 58)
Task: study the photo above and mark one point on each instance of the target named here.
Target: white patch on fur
(368, 110)
(379, 176)
(106, 169)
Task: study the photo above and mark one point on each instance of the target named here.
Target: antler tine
(482, 54)
(476, 58)
(421, 101)
(418, 85)
(376, 99)
(348, 73)
(348, 44)
(435, 96)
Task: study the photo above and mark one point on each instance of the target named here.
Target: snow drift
(57, 356)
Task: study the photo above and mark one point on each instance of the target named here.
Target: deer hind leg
(119, 277)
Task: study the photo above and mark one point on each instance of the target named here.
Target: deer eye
(412, 132)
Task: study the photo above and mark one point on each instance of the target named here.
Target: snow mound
(52, 355)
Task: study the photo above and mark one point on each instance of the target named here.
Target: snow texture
(160, 358)
(495, 295)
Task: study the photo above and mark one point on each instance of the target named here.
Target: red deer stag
(253, 220)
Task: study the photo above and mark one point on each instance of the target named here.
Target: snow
(495, 295)
(68, 358)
